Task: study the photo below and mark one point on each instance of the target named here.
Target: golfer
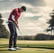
(12, 24)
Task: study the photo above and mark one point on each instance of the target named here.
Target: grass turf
(29, 46)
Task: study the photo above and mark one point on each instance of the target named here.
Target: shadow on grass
(4, 50)
(3, 46)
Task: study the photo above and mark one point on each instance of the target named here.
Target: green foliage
(1, 21)
(3, 31)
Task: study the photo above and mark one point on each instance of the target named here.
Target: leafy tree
(51, 22)
(3, 32)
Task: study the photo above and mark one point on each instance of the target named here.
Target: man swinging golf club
(12, 24)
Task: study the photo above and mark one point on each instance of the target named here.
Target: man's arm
(13, 18)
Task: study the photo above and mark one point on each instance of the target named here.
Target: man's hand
(18, 27)
(16, 24)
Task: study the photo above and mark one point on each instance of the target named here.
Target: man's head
(22, 9)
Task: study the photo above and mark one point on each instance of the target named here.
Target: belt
(10, 21)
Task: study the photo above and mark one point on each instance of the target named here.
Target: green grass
(28, 46)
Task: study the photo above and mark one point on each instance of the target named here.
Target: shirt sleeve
(13, 17)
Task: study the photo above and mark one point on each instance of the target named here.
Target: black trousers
(13, 35)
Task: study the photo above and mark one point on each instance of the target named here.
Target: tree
(3, 32)
(51, 22)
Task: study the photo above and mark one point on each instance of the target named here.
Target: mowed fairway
(28, 46)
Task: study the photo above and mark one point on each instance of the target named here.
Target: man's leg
(12, 32)
(15, 41)
(15, 38)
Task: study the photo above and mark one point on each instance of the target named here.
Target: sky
(34, 20)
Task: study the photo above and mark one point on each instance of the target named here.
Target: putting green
(38, 46)
(27, 50)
